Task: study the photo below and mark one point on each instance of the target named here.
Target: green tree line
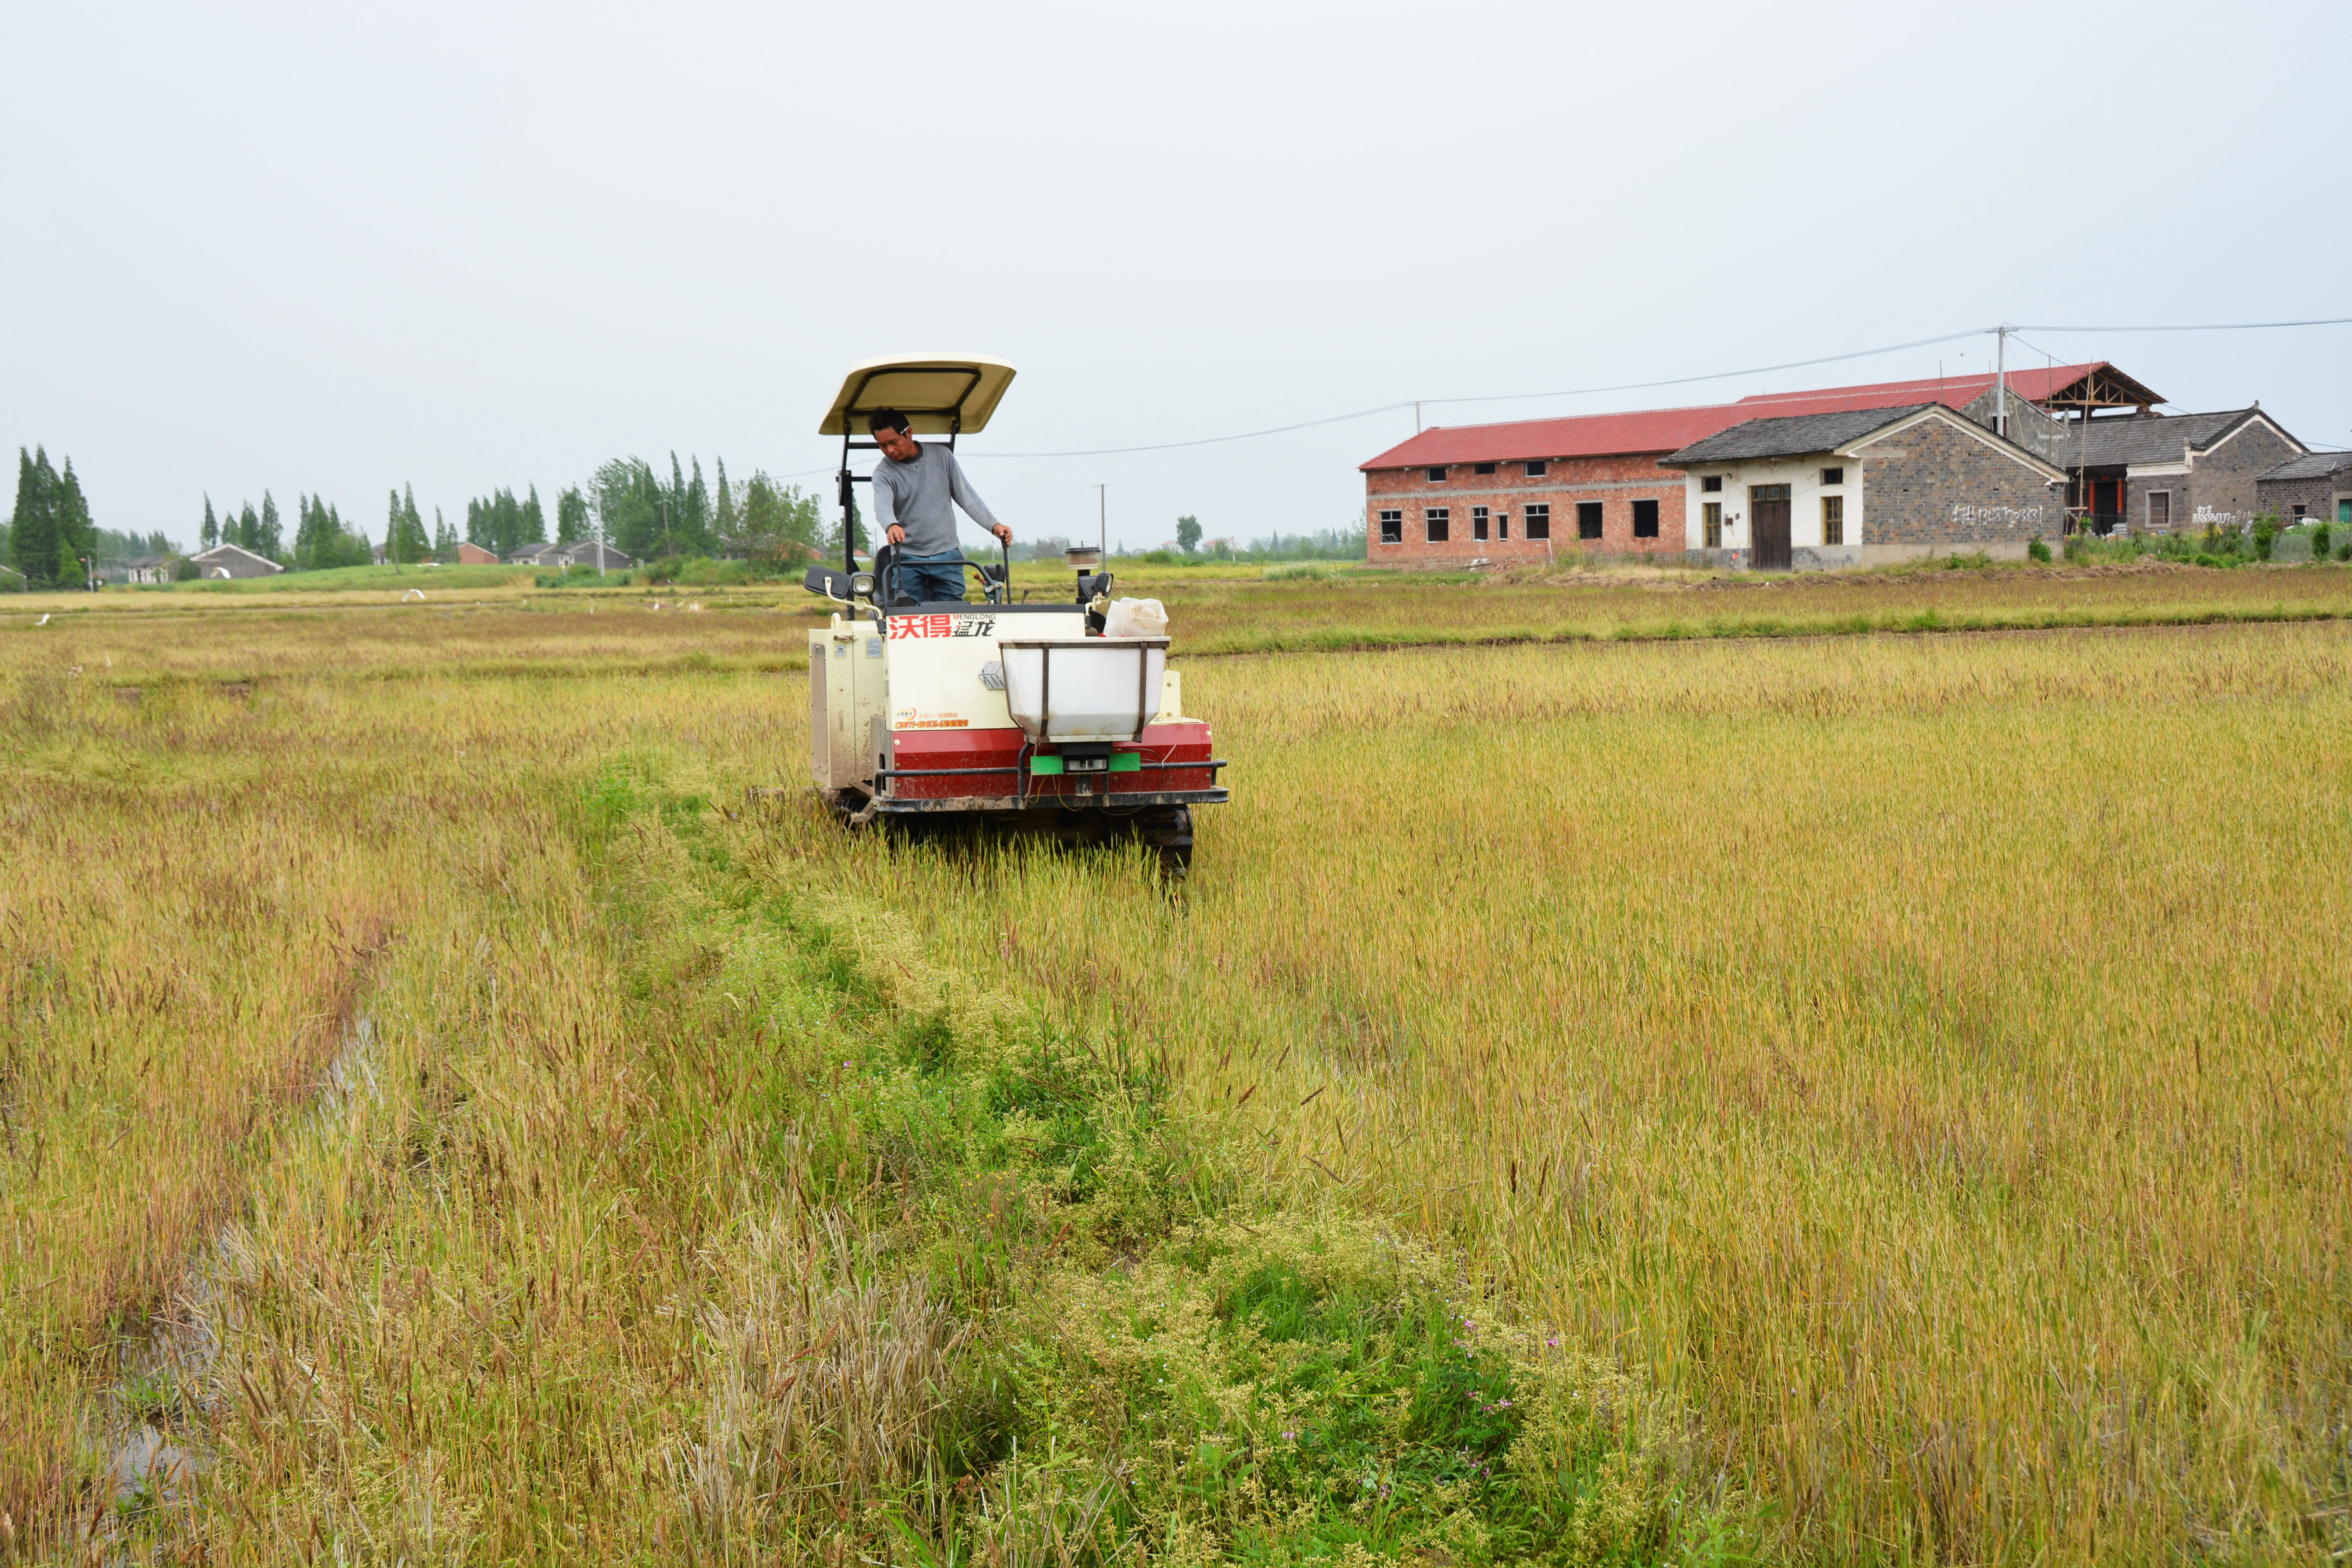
(652, 517)
(51, 539)
(502, 523)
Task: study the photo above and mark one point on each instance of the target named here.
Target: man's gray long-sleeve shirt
(915, 497)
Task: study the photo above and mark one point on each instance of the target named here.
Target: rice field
(1868, 1097)
(1927, 1057)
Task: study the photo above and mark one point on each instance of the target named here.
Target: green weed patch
(1075, 1334)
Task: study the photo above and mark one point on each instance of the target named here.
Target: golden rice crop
(1921, 1060)
(1403, 610)
(1927, 1057)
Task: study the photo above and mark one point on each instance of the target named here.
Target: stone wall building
(1862, 488)
(588, 552)
(2173, 473)
(2315, 485)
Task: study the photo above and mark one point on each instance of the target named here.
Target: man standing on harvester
(913, 489)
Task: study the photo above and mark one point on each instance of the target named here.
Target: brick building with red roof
(1534, 489)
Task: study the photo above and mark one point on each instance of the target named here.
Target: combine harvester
(1036, 718)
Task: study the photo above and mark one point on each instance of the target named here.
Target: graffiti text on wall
(1994, 516)
(2210, 517)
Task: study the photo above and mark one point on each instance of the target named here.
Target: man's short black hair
(883, 419)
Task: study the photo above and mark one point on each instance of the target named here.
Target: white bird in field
(44, 620)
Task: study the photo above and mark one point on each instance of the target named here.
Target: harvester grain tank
(990, 710)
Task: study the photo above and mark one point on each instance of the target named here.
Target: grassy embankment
(1912, 1071)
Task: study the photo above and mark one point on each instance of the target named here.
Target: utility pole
(2000, 384)
(600, 538)
(1416, 415)
(1102, 515)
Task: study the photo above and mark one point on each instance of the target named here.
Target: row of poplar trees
(650, 516)
(50, 534)
(51, 539)
(322, 538)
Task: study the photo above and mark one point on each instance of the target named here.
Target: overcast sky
(339, 249)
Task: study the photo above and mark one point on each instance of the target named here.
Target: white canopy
(941, 395)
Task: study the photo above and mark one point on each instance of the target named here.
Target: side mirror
(832, 584)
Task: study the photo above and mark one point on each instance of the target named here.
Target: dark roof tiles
(1790, 436)
(2157, 439)
(2312, 465)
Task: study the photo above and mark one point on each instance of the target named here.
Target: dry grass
(253, 639)
(1922, 1061)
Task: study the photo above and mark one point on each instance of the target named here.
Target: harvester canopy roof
(941, 395)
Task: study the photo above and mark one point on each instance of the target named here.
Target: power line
(1213, 440)
(1722, 374)
(1510, 397)
(1646, 385)
(2202, 327)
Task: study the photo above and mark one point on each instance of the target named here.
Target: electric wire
(1509, 397)
(1635, 385)
(2195, 327)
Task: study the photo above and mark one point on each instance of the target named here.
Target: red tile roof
(1952, 391)
(1585, 435)
(1671, 429)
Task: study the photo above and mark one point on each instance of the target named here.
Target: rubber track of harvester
(1168, 830)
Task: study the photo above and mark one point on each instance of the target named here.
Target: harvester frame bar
(883, 804)
(1016, 767)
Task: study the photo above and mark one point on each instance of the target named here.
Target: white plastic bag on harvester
(1135, 618)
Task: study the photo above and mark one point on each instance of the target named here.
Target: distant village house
(233, 560)
(2316, 485)
(1963, 463)
(1864, 487)
(2178, 473)
(570, 552)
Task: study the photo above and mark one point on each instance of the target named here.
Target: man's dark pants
(931, 579)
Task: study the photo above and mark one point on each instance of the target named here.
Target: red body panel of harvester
(1165, 751)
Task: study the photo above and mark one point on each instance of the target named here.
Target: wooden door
(1768, 522)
